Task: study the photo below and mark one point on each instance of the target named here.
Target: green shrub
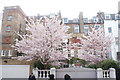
(109, 63)
(106, 64)
(38, 64)
(92, 66)
(95, 66)
(74, 60)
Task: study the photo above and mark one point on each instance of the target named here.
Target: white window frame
(8, 28)
(10, 53)
(75, 20)
(10, 17)
(107, 15)
(2, 53)
(72, 52)
(116, 16)
(95, 19)
(86, 27)
(97, 25)
(67, 28)
(109, 31)
(65, 21)
(85, 20)
(79, 52)
(52, 15)
(76, 27)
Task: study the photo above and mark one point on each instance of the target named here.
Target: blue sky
(68, 8)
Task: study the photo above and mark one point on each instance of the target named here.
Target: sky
(68, 8)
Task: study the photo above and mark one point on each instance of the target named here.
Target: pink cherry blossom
(95, 45)
(44, 41)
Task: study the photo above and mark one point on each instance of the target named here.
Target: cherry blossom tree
(45, 41)
(95, 45)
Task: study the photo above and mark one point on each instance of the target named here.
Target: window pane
(97, 27)
(76, 29)
(10, 18)
(10, 53)
(65, 20)
(3, 53)
(68, 27)
(69, 55)
(8, 28)
(86, 28)
(72, 53)
(109, 29)
(107, 16)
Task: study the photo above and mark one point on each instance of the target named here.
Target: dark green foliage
(106, 64)
(95, 66)
(74, 60)
(92, 66)
(109, 63)
(39, 65)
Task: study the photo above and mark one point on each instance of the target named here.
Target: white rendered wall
(15, 71)
(76, 73)
(114, 25)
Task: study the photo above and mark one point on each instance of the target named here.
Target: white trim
(107, 16)
(116, 16)
(76, 29)
(3, 51)
(10, 53)
(65, 21)
(67, 28)
(72, 52)
(86, 29)
(10, 17)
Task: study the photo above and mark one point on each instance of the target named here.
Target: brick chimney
(81, 23)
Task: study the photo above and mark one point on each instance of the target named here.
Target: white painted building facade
(111, 27)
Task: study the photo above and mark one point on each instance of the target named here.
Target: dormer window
(65, 20)
(52, 15)
(75, 20)
(97, 26)
(116, 17)
(95, 19)
(85, 20)
(107, 16)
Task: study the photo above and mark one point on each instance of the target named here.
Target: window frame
(76, 29)
(72, 52)
(107, 17)
(10, 18)
(10, 52)
(109, 29)
(65, 20)
(86, 27)
(3, 51)
(8, 28)
(67, 28)
(97, 26)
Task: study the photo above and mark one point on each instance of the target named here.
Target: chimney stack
(81, 23)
